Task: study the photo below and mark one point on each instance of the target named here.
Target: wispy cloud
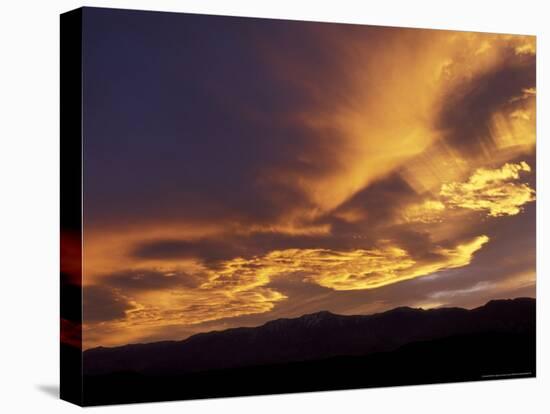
(344, 161)
(495, 192)
(492, 191)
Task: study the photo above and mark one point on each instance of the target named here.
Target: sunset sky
(242, 170)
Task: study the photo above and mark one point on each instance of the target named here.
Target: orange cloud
(373, 114)
(492, 191)
(240, 286)
(373, 269)
(342, 270)
(383, 113)
(429, 211)
(151, 309)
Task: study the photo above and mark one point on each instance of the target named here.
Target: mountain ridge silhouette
(310, 337)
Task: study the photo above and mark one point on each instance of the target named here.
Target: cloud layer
(251, 169)
(492, 191)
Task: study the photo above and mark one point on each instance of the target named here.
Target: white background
(29, 194)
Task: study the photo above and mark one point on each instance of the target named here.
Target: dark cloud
(213, 138)
(220, 121)
(468, 107)
(374, 205)
(233, 245)
(101, 303)
(145, 280)
(205, 249)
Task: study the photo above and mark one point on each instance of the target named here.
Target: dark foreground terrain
(322, 351)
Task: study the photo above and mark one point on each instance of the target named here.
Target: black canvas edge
(71, 206)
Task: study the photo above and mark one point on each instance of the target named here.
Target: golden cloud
(392, 266)
(429, 211)
(384, 111)
(192, 306)
(374, 114)
(343, 270)
(497, 124)
(526, 45)
(153, 309)
(492, 191)
(240, 286)
(513, 130)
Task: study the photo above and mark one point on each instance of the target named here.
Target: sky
(241, 170)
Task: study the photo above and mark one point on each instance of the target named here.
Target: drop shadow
(50, 389)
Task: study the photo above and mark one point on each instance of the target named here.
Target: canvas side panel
(71, 206)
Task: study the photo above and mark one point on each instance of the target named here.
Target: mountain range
(313, 337)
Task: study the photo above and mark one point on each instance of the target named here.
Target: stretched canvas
(257, 206)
